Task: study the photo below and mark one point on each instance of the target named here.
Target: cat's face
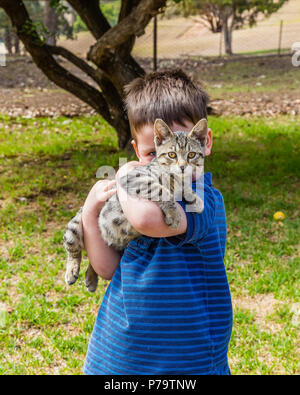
(182, 152)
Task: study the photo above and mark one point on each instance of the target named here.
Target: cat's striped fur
(178, 155)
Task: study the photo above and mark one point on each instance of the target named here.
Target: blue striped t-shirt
(167, 309)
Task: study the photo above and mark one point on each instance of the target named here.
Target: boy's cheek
(145, 160)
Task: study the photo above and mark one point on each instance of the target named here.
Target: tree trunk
(7, 40)
(50, 22)
(227, 32)
(16, 44)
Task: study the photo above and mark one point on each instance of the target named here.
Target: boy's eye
(172, 155)
(152, 153)
(191, 155)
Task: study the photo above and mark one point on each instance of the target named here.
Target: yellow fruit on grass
(279, 216)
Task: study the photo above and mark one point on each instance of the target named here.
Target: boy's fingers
(110, 193)
(109, 184)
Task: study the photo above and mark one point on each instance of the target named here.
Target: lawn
(48, 165)
(256, 76)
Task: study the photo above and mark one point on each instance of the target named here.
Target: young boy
(167, 309)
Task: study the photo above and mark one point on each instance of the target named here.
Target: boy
(167, 309)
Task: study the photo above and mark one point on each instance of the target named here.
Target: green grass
(249, 76)
(273, 51)
(47, 167)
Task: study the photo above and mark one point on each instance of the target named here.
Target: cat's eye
(172, 155)
(191, 155)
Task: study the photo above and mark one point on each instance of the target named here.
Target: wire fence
(187, 38)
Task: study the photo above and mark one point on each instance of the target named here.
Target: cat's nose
(182, 168)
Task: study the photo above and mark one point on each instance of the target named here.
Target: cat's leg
(165, 201)
(146, 187)
(73, 243)
(194, 202)
(137, 184)
(91, 279)
(171, 214)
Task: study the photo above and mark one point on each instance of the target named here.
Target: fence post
(155, 43)
(280, 38)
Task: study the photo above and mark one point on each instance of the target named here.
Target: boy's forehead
(145, 137)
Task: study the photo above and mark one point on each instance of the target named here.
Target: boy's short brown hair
(170, 95)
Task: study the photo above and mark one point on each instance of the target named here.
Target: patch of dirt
(32, 103)
(258, 104)
(25, 90)
(261, 306)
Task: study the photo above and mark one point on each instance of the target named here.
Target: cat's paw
(196, 207)
(172, 216)
(91, 279)
(72, 273)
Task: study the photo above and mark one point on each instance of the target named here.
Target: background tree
(228, 15)
(109, 62)
(50, 22)
(11, 41)
(57, 21)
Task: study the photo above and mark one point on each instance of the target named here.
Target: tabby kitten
(178, 156)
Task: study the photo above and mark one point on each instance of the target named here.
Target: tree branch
(126, 7)
(92, 16)
(110, 93)
(132, 24)
(78, 62)
(43, 58)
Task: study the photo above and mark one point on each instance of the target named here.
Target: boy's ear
(199, 131)
(135, 148)
(161, 131)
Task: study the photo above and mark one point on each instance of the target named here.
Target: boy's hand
(127, 168)
(98, 195)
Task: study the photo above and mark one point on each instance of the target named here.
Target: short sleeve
(197, 224)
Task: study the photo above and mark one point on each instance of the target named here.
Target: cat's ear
(161, 131)
(199, 131)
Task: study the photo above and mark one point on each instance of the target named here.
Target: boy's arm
(104, 259)
(144, 215)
